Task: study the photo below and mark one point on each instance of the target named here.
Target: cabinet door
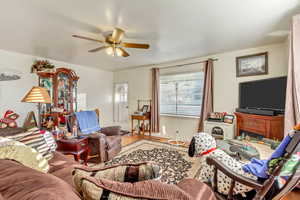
(64, 93)
(45, 109)
(74, 96)
(254, 125)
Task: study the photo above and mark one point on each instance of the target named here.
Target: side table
(142, 118)
(75, 147)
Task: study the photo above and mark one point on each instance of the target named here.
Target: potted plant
(42, 66)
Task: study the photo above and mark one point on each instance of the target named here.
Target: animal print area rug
(174, 161)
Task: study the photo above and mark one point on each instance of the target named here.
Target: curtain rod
(173, 66)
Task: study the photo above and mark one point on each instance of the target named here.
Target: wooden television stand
(267, 126)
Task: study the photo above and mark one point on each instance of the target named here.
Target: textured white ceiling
(175, 29)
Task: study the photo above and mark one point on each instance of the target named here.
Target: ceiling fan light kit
(113, 43)
(109, 51)
(119, 52)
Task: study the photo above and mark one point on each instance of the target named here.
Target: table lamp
(37, 95)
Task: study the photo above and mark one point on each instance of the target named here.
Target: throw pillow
(49, 140)
(34, 139)
(126, 181)
(95, 189)
(14, 150)
(121, 173)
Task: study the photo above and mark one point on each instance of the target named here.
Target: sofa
(22, 183)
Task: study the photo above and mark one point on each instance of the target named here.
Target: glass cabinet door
(74, 96)
(63, 92)
(47, 84)
(45, 109)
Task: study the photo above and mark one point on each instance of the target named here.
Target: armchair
(104, 144)
(261, 188)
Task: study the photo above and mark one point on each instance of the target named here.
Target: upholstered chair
(104, 144)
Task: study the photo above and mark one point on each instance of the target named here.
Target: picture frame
(252, 65)
(30, 121)
(145, 108)
(229, 119)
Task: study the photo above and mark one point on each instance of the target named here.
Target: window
(181, 94)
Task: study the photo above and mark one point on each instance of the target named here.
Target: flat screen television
(267, 94)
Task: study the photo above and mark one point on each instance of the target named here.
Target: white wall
(96, 83)
(225, 83)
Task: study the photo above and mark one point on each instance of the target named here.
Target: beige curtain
(292, 105)
(155, 101)
(207, 99)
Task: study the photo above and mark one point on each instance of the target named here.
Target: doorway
(121, 111)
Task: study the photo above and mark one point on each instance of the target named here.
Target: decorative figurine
(9, 119)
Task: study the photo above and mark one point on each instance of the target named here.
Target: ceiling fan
(113, 44)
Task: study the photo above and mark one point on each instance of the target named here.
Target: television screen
(263, 94)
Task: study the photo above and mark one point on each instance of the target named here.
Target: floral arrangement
(42, 66)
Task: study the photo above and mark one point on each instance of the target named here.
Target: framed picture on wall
(145, 108)
(229, 119)
(252, 65)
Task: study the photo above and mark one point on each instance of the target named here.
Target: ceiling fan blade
(97, 49)
(87, 38)
(122, 52)
(135, 45)
(117, 35)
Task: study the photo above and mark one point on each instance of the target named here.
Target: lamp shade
(37, 95)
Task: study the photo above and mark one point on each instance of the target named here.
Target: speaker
(256, 111)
